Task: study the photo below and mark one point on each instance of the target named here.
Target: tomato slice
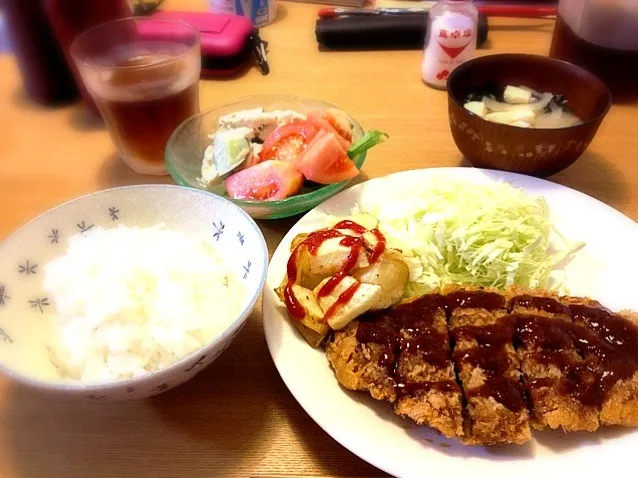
(327, 122)
(268, 181)
(288, 141)
(325, 161)
(339, 120)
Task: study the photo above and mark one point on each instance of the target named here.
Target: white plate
(605, 269)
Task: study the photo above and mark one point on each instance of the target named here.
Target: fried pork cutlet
(483, 366)
(611, 350)
(366, 366)
(549, 357)
(428, 392)
(488, 368)
(403, 356)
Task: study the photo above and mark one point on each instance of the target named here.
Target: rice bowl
(28, 311)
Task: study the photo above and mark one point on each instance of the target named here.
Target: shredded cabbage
(491, 235)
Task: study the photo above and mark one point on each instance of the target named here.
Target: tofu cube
(517, 96)
(510, 117)
(476, 107)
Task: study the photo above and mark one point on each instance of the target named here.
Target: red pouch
(227, 40)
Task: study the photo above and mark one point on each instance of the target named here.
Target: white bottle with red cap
(450, 40)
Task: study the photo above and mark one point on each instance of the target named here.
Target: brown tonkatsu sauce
(472, 300)
(505, 391)
(594, 350)
(494, 362)
(432, 346)
(617, 331)
(491, 356)
(409, 328)
(490, 336)
(607, 345)
(546, 304)
(542, 333)
(382, 330)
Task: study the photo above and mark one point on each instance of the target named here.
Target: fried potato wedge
(365, 298)
(379, 285)
(391, 273)
(298, 239)
(313, 326)
(329, 259)
(364, 219)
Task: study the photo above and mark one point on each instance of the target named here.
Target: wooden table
(237, 418)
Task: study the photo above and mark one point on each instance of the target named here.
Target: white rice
(134, 300)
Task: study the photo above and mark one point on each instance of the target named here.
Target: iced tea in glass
(144, 77)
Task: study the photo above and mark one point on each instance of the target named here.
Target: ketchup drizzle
(313, 241)
(379, 247)
(355, 244)
(292, 303)
(350, 225)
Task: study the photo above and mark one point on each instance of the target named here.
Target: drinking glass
(143, 75)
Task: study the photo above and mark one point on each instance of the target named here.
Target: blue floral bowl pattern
(24, 305)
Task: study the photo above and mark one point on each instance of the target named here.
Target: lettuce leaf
(369, 140)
